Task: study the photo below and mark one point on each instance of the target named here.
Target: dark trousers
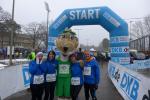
(36, 91)
(90, 88)
(49, 89)
(75, 89)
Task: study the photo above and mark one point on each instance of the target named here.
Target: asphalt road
(106, 90)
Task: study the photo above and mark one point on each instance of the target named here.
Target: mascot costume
(67, 43)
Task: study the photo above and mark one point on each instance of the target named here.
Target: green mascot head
(67, 42)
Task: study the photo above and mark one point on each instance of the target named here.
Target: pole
(12, 33)
(48, 10)
(47, 31)
(78, 30)
(87, 43)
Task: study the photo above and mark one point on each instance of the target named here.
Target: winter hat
(39, 53)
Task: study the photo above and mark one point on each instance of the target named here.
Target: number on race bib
(75, 80)
(51, 77)
(38, 79)
(87, 70)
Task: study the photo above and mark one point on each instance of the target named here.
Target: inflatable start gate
(117, 27)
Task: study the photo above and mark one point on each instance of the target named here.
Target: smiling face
(67, 42)
(73, 58)
(51, 56)
(40, 57)
(87, 55)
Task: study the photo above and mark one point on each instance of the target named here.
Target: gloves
(96, 86)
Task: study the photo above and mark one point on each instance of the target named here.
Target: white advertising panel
(130, 84)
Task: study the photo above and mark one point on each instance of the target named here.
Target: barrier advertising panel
(130, 84)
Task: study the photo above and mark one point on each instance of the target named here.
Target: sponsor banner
(51, 39)
(51, 43)
(26, 75)
(119, 44)
(51, 47)
(121, 60)
(60, 21)
(124, 49)
(111, 19)
(119, 54)
(130, 84)
(139, 64)
(119, 39)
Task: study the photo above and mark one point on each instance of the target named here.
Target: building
(20, 40)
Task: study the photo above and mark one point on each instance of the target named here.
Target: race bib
(50, 77)
(64, 69)
(38, 79)
(87, 70)
(75, 80)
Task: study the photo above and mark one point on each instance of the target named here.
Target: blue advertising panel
(26, 75)
(117, 27)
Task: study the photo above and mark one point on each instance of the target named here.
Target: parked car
(136, 55)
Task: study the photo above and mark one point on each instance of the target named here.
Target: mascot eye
(71, 37)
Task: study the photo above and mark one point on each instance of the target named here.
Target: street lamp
(87, 43)
(12, 33)
(48, 10)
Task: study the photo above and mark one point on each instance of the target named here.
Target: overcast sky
(27, 11)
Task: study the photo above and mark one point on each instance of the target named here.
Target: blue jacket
(94, 76)
(50, 67)
(77, 71)
(35, 69)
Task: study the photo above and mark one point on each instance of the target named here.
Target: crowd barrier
(139, 64)
(13, 79)
(130, 84)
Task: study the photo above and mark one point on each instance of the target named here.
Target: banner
(139, 64)
(130, 84)
(13, 79)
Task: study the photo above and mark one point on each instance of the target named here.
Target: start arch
(117, 28)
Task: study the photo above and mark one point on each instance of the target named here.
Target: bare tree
(37, 32)
(147, 27)
(141, 30)
(4, 15)
(6, 26)
(147, 24)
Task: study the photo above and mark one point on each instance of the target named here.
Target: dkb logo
(130, 86)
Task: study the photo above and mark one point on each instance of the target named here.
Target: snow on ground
(2, 66)
(15, 61)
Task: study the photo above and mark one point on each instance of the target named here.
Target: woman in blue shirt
(91, 76)
(76, 76)
(50, 75)
(36, 69)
